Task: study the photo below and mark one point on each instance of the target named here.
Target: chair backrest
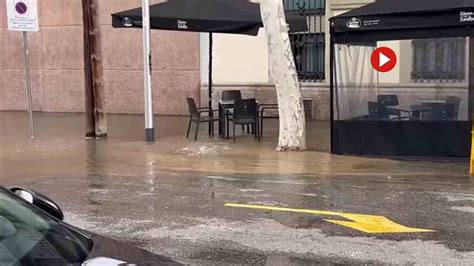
(245, 108)
(373, 110)
(442, 112)
(455, 102)
(193, 110)
(377, 110)
(231, 95)
(388, 100)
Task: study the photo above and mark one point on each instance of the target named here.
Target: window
(304, 5)
(308, 47)
(439, 59)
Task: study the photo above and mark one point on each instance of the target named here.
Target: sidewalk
(60, 149)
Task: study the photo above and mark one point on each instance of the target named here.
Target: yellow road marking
(371, 224)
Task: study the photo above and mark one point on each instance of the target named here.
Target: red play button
(383, 59)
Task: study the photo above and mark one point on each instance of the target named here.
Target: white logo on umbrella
(127, 22)
(354, 23)
(182, 24)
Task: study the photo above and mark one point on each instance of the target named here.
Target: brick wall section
(56, 58)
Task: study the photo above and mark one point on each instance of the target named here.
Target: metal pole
(331, 90)
(211, 114)
(149, 129)
(470, 81)
(28, 85)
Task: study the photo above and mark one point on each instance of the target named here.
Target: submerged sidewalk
(60, 149)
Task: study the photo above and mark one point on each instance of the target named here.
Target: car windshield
(30, 237)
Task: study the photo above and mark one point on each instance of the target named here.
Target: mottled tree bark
(292, 134)
(95, 94)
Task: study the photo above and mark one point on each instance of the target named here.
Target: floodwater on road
(60, 149)
(169, 197)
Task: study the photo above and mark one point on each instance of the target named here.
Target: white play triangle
(383, 59)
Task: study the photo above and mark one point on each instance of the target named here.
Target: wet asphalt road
(169, 197)
(182, 215)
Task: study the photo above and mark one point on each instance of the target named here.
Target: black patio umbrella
(213, 16)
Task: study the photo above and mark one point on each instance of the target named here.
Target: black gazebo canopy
(386, 20)
(405, 19)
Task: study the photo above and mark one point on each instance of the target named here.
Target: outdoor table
(432, 101)
(410, 109)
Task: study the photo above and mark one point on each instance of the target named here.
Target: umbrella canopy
(220, 16)
(217, 16)
(405, 19)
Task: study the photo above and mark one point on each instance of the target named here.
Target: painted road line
(371, 224)
(286, 182)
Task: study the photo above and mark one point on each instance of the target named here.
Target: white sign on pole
(22, 15)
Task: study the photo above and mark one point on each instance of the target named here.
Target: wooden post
(89, 94)
(95, 94)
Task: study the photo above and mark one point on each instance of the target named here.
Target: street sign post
(23, 16)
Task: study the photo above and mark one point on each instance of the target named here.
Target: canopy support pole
(331, 90)
(148, 92)
(211, 114)
(471, 98)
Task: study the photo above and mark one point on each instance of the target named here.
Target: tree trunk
(282, 67)
(95, 94)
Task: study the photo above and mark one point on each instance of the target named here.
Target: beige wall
(56, 54)
(240, 58)
(347, 4)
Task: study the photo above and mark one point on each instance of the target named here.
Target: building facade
(57, 68)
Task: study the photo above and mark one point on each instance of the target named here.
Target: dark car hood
(109, 248)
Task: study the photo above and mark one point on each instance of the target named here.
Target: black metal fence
(309, 47)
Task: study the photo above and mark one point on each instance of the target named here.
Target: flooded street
(170, 197)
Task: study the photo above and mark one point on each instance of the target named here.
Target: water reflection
(96, 170)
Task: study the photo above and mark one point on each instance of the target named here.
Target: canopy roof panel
(218, 16)
(222, 16)
(405, 19)
(408, 6)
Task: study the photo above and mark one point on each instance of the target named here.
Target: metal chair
(388, 100)
(454, 112)
(378, 111)
(232, 95)
(245, 113)
(196, 117)
(262, 116)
